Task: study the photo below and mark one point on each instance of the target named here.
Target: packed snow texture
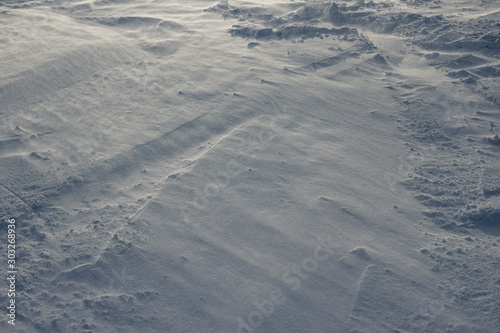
(252, 166)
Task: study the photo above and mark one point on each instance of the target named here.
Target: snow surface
(252, 166)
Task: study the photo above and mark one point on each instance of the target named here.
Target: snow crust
(252, 166)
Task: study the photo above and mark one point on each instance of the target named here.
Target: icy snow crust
(252, 166)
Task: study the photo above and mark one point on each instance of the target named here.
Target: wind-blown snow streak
(249, 166)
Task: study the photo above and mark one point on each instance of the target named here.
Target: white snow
(251, 166)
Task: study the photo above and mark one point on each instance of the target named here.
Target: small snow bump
(253, 45)
(424, 251)
(360, 252)
(37, 156)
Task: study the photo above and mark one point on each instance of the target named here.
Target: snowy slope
(252, 166)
